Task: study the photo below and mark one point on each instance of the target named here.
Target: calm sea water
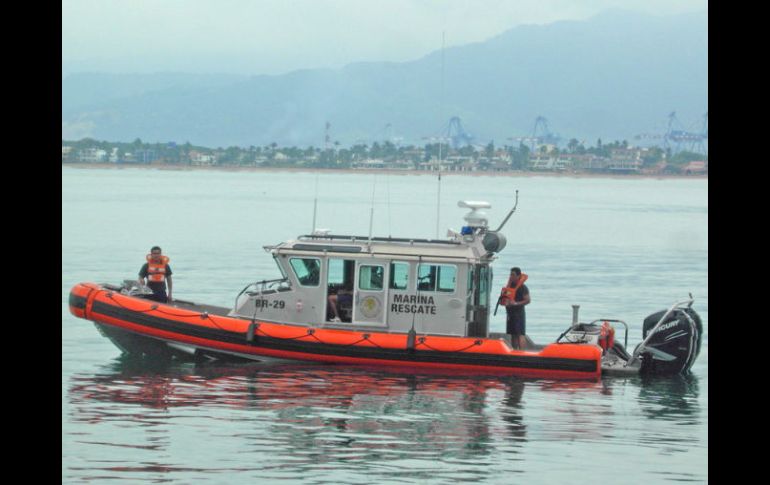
(621, 248)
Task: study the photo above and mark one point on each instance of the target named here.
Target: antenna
(387, 184)
(315, 203)
(438, 201)
(441, 111)
(516, 204)
(412, 334)
(371, 211)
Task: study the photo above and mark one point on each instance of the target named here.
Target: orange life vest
(508, 294)
(156, 272)
(606, 336)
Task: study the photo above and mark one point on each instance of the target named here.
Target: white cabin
(437, 287)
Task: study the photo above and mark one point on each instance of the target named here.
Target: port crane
(677, 138)
(541, 135)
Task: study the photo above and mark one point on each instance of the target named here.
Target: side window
(335, 274)
(308, 270)
(370, 278)
(471, 274)
(484, 279)
(426, 277)
(340, 274)
(446, 278)
(399, 276)
(433, 277)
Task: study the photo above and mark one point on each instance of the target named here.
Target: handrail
(640, 347)
(262, 283)
(625, 340)
(365, 239)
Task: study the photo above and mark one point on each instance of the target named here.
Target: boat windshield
(284, 276)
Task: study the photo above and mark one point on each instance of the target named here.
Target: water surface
(621, 248)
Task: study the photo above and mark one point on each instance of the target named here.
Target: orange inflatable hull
(126, 319)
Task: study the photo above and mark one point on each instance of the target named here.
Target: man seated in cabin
(341, 304)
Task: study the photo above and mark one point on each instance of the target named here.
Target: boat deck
(199, 307)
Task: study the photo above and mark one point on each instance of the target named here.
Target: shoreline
(577, 175)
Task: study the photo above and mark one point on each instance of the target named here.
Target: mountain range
(612, 76)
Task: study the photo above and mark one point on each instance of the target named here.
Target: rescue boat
(391, 302)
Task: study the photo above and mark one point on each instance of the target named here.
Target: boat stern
(589, 355)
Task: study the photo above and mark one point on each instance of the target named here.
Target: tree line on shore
(519, 157)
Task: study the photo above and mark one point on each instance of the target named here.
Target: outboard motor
(674, 345)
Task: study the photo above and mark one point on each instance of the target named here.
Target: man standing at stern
(516, 295)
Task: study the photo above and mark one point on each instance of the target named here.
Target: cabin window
(435, 277)
(399, 276)
(484, 277)
(308, 270)
(447, 276)
(341, 273)
(371, 278)
(470, 280)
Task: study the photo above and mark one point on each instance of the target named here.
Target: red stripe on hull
(78, 312)
(291, 355)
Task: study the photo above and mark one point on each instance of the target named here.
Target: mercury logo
(666, 326)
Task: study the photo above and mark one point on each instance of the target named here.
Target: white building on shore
(92, 155)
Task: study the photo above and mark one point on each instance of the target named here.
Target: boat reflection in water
(337, 411)
(674, 398)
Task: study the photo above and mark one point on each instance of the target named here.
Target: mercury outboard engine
(671, 342)
(672, 345)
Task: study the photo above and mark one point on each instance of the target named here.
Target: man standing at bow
(156, 273)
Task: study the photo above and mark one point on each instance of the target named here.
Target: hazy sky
(276, 36)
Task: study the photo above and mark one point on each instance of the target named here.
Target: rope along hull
(139, 326)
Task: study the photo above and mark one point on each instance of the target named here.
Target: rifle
(498, 303)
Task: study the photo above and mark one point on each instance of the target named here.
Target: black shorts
(158, 292)
(159, 297)
(516, 323)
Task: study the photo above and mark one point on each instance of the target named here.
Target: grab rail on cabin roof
(364, 239)
(260, 287)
